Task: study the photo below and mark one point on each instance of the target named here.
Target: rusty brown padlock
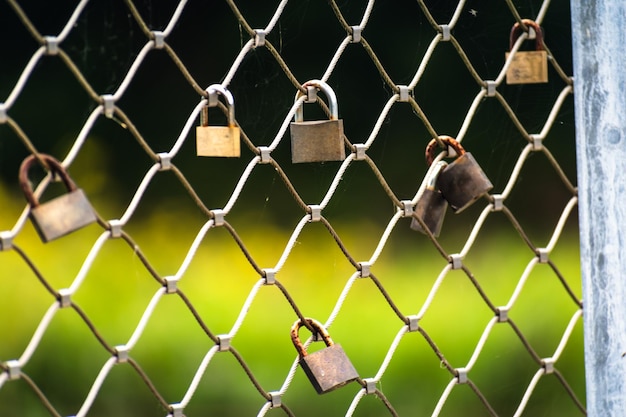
(527, 67)
(431, 207)
(218, 140)
(462, 182)
(327, 369)
(61, 215)
(317, 140)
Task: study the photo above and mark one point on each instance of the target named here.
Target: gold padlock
(218, 140)
(527, 67)
(61, 215)
(317, 140)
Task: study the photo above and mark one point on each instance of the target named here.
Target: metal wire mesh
(453, 259)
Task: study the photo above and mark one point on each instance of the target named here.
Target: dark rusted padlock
(327, 369)
(463, 181)
(527, 67)
(317, 140)
(61, 215)
(218, 140)
(431, 207)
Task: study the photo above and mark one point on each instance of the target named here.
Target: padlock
(218, 140)
(317, 140)
(327, 369)
(61, 215)
(463, 181)
(431, 207)
(527, 67)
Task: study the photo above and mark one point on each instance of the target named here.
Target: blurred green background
(52, 109)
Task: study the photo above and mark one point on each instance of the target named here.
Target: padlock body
(317, 141)
(218, 141)
(528, 67)
(431, 208)
(328, 369)
(62, 215)
(462, 182)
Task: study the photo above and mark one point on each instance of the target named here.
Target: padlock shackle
(447, 140)
(213, 90)
(517, 30)
(319, 328)
(330, 95)
(54, 166)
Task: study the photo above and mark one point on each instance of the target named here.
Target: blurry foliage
(117, 290)
(53, 108)
(207, 38)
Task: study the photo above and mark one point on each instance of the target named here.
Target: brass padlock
(463, 181)
(61, 215)
(218, 140)
(317, 140)
(327, 369)
(431, 207)
(527, 67)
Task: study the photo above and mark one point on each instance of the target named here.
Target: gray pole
(599, 39)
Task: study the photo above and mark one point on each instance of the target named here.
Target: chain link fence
(135, 314)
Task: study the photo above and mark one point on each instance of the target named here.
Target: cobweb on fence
(156, 32)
